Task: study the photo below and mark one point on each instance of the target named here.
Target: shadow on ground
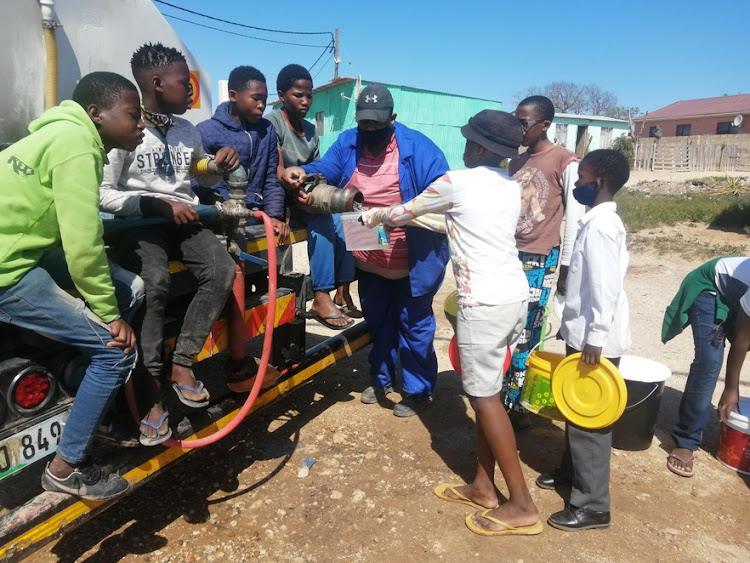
(453, 433)
(131, 526)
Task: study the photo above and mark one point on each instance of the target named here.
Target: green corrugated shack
(436, 114)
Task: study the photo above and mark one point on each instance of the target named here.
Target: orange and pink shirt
(377, 178)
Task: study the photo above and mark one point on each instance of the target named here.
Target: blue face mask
(585, 195)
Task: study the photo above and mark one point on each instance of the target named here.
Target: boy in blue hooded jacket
(239, 124)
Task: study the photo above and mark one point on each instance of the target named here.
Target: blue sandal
(159, 438)
(184, 400)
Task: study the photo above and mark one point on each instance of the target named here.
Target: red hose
(265, 356)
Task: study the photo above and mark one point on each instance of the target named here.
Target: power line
(243, 34)
(322, 67)
(242, 24)
(327, 47)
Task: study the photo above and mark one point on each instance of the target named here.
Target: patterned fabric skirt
(540, 271)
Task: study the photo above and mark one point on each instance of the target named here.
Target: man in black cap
(390, 163)
(479, 208)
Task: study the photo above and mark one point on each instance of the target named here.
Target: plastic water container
(734, 439)
(359, 237)
(536, 395)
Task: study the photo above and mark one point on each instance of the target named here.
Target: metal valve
(329, 199)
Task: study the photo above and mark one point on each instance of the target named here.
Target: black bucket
(645, 381)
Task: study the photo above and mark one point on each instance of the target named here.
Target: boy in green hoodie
(49, 191)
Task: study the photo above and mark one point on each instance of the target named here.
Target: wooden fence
(686, 155)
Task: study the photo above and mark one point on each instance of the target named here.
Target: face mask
(585, 195)
(376, 138)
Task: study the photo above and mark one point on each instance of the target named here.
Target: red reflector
(31, 390)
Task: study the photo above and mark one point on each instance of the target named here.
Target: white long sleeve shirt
(573, 212)
(596, 307)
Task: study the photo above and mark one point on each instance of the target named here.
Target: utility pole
(336, 58)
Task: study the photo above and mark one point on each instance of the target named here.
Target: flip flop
(677, 470)
(246, 385)
(532, 530)
(159, 438)
(324, 320)
(184, 400)
(350, 311)
(440, 491)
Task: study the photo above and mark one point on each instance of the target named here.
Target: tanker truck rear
(48, 45)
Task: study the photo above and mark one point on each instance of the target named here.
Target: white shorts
(484, 334)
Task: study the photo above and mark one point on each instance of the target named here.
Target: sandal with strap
(350, 311)
(159, 438)
(505, 530)
(440, 491)
(184, 400)
(687, 471)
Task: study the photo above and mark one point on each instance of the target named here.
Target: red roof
(721, 105)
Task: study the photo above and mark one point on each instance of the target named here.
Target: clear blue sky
(650, 53)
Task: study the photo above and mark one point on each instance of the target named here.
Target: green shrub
(625, 145)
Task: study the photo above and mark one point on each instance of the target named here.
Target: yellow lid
(589, 396)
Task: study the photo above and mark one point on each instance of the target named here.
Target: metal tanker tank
(88, 35)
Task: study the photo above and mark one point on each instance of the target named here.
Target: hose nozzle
(329, 199)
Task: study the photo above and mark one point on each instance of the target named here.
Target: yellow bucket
(450, 308)
(536, 396)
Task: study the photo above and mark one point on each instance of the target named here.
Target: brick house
(705, 116)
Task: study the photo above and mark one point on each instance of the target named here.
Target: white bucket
(635, 368)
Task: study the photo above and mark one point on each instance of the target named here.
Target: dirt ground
(368, 495)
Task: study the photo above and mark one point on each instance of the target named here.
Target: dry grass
(689, 248)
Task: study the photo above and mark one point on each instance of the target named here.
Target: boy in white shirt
(595, 322)
(481, 207)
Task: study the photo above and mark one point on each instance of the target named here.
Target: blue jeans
(399, 325)
(331, 263)
(130, 291)
(37, 303)
(695, 405)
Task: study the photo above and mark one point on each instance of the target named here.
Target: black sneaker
(412, 404)
(373, 395)
(90, 483)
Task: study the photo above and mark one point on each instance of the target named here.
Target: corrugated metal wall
(437, 115)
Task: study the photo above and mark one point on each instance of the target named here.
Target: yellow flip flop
(532, 530)
(440, 493)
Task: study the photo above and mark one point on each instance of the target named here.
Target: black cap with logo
(374, 103)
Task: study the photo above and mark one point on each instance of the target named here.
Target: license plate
(30, 445)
